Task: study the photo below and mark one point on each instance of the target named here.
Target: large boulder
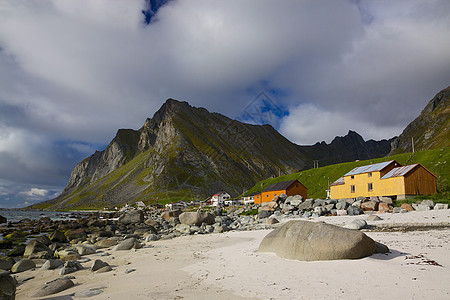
(6, 263)
(53, 287)
(132, 217)
(57, 237)
(127, 245)
(23, 265)
(36, 249)
(7, 286)
(308, 241)
(171, 214)
(73, 234)
(369, 205)
(3, 220)
(196, 218)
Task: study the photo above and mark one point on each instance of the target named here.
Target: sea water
(17, 215)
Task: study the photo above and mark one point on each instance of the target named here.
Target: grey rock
(196, 218)
(307, 205)
(272, 221)
(127, 245)
(53, 287)
(387, 200)
(51, 264)
(440, 206)
(430, 203)
(7, 286)
(342, 204)
(341, 212)
(354, 211)
(308, 241)
(357, 224)
(85, 250)
(132, 217)
(6, 263)
(3, 220)
(97, 265)
(329, 207)
(374, 218)
(23, 265)
(106, 243)
(422, 207)
(264, 214)
(70, 267)
(36, 249)
(151, 237)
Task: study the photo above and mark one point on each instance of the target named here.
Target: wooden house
(219, 198)
(290, 188)
(385, 179)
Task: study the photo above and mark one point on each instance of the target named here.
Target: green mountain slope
(430, 130)
(316, 180)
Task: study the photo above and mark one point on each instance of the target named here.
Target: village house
(385, 179)
(177, 205)
(219, 198)
(290, 188)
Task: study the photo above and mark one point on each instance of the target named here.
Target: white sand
(228, 266)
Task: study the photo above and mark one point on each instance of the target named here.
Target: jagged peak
(437, 99)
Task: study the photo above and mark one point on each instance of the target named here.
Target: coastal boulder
(23, 265)
(7, 286)
(309, 241)
(132, 217)
(3, 220)
(127, 245)
(196, 218)
(171, 214)
(57, 237)
(53, 287)
(36, 249)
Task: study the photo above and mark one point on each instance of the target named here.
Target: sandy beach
(228, 266)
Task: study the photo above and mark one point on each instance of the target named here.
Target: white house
(250, 199)
(219, 198)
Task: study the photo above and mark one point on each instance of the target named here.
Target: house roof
(402, 171)
(283, 185)
(340, 181)
(370, 168)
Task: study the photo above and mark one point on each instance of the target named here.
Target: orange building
(290, 188)
(385, 179)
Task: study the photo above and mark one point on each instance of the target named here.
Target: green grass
(316, 180)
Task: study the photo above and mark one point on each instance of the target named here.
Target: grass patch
(251, 212)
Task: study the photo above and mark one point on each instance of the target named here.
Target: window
(352, 177)
(352, 188)
(369, 174)
(370, 186)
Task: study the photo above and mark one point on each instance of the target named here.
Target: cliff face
(431, 129)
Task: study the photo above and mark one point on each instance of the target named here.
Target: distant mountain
(184, 152)
(430, 130)
(347, 148)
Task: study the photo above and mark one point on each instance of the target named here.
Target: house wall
(420, 182)
(295, 189)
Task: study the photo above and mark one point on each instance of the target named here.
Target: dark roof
(279, 186)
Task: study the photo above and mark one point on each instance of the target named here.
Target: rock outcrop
(308, 241)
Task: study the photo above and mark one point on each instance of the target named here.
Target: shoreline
(227, 266)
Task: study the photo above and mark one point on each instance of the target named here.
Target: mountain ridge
(185, 152)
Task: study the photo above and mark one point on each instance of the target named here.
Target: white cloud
(35, 193)
(308, 124)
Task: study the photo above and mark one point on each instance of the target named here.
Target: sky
(72, 72)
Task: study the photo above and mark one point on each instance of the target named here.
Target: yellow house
(385, 179)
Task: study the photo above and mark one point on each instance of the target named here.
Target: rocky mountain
(347, 148)
(430, 130)
(184, 152)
